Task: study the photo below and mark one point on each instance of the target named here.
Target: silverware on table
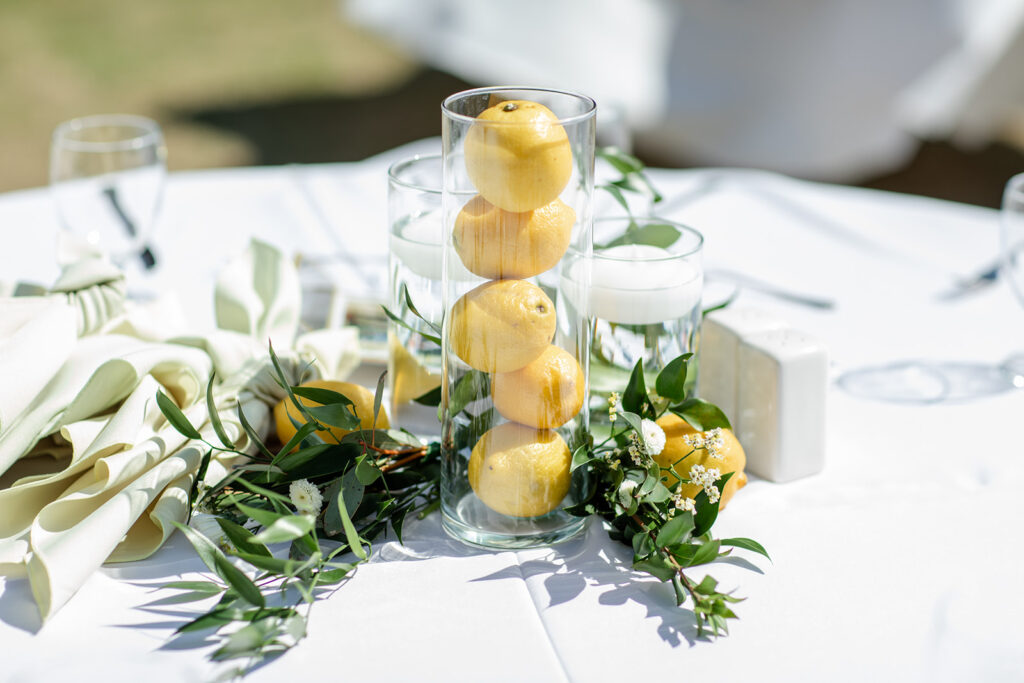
(749, 282)
(146, 254)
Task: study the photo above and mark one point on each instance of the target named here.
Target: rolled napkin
(122, 473)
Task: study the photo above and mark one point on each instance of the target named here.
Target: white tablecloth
(901, 561)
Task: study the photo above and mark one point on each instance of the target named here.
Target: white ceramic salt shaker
(782, 386)
(721, 332)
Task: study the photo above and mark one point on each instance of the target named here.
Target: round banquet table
(900, 561)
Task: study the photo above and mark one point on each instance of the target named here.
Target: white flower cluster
(636, 449)
(305, 496)
(711, 441)
(706, 478)
(684, 504)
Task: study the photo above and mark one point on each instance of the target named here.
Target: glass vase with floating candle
(515, 366)
(645, 279)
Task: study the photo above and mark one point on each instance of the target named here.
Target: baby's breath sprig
(643, 501)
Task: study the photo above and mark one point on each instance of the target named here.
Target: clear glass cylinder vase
(515, 367)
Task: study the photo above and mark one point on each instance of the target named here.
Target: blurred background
(920, 96)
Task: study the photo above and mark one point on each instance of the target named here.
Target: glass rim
(642, 220)
(145, 132)
(402, 164)
(446, 109)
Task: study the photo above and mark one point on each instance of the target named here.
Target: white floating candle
(637, 284)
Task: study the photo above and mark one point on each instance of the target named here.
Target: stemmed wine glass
(1012, 232)
(107, 177)
(920, 381)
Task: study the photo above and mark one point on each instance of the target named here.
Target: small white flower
(207, 526)
(697, 474)
(654, 437)
(693, 440)
(305, 496)
(713, 494)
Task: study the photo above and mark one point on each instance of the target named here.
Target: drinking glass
(644, 302)
(515, 364)
(415, 265)
(107, 177)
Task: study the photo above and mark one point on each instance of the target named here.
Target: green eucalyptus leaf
(303, 431)
(355, 543)
(581, 457)
(211, 408)
(746, 544)
(671, 381)
(616, 193)
(398, 321)
(415, 311)
(366, 471)
(619, 160)
(704, 553)
(707, 585)
(378, 396)
(264, 517)
(335, 415)
(470, 387)
(330, 577)
(432, 398)
(213, 558)
(174, 415)
(656, 565)
(701, 415)
(241, 538)
(209, 587)
(707, 512)
(253, 435)
(676, 529)
(325, 397)
(634, 397)
(286, 529)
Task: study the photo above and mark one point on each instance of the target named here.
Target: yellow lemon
(546, 393)
(502, 325)
(362, 403)
(518, 155)
(520, 471)
(409, 379)
(733, 458)
(494, 243)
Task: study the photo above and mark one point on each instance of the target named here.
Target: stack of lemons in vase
(519, 159)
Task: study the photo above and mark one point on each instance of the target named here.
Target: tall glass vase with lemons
(514, 366)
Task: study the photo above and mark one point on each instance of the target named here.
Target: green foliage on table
(638, 498)
(371, 481)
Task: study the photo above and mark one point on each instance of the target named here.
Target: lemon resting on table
(502, 325)
(520, 471)
(362, 404)
(733, 458)
(518, 155)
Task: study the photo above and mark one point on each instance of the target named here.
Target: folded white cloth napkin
(105, 474)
